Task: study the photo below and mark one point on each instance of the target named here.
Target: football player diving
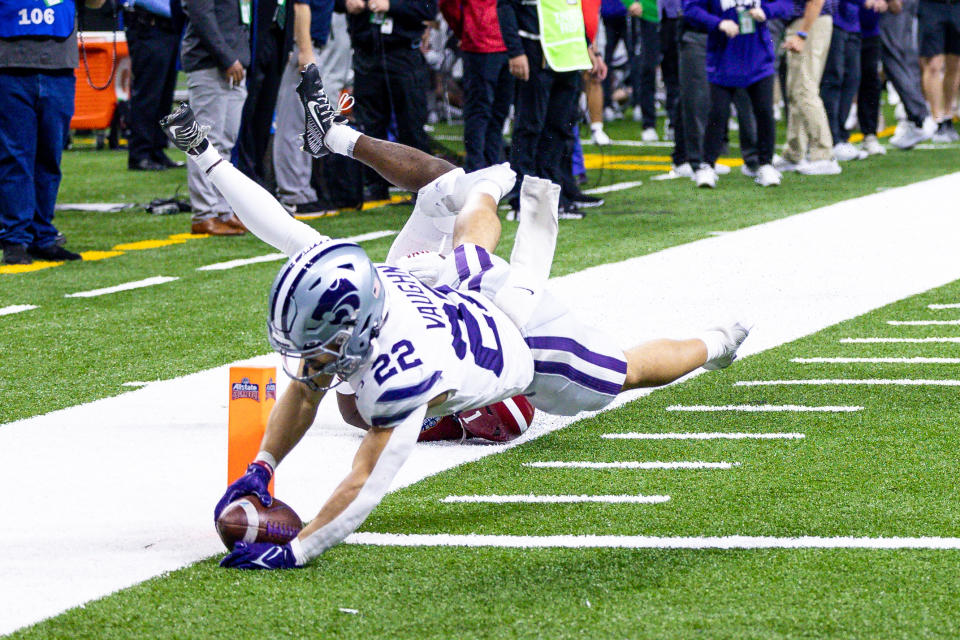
(443, 327)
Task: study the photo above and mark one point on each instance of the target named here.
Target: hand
(235, 73)
(519, 67)
(356, 6)
(794, 43)
(254, 482)
(259, 555)
(729, 27)
(758, 15)
(635, 10)
(424, 265)
(378, 6)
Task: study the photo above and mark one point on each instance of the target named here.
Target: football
(500, 422)
(248, 520)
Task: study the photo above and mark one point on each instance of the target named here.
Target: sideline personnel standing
(38, 55)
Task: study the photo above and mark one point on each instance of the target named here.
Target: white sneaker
(747, 171)
(649, 135)
(908, 135)
(872, 147)
(598, 136)
(706, 177)
(684, 170)
(669, 134)
(610, 114)
(782, 164)
(721, 169)
(731, 337)
(820, 168)
(900, 112)
(637, 114)
(844, 152)
(767, 176)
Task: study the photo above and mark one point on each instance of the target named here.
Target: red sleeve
(453, 13)
(591, 17)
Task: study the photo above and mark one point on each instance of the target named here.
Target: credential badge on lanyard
(245, 12)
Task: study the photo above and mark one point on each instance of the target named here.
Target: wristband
(802, 35)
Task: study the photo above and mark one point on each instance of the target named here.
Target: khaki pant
(808, 131)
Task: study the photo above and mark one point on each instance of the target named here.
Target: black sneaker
(319, 115)
(16, 254)
(184, 130)
(53, 253)
(584, 201)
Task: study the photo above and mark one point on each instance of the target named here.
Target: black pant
(868, 99)
(670, 65)
(153, 63)
(543, 119)
(487, 94)
(263, 83)
(841, 77)
(615, 30)
(761, 98)
(644, 68)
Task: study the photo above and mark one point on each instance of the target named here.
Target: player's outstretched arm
(292, 415)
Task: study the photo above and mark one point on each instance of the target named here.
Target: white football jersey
(436, 341)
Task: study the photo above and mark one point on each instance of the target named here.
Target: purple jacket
(745, 59)
(612, 9)
(847, 15)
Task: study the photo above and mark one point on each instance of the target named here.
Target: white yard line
(703, 436)
(760, 408)
(127, 286)
(880, 382)
(948, 339)
(631, 464)
(648, 542)
(272, 257)
(924, 323)
(532, 499)
(916, 360)
(617, 186)
(952, 305)
(845, 249)
(16, 308)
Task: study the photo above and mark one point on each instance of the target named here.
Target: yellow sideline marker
(253, 392)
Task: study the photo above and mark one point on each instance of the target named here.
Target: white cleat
(731, 337)
(598, 136)
(706, 177)
(872, 147)
(649, 135)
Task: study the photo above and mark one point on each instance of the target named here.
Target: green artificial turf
(888, 470)
(76, 350)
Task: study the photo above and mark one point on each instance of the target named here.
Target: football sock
(536, 237)
(206, 158)
(257, 209)
(422, 233)
(341, 139)
(716, 342)
(488, 187)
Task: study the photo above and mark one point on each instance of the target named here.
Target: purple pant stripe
(463, 270)
(581, 378)
(572, 346)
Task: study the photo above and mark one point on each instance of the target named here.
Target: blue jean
(35, 112)
(488, 93)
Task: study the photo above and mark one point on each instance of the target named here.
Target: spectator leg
(808, 131)
(371, 107)
(477, 107)
(716, 122)
(18, 156)
(933, 84)
(868, 98)
(649, 59)
(555, 147)
(53, 126)
(530, 113)
(833, 80)
(615, 30)
(761, 98)
(170, 49)
(899, 56)
(851, 83)
(669, 66)
(256, 115)
(502, 86)
(749, 149)
(951, 77)
(291, 166)
(694, 93)
(409, 82)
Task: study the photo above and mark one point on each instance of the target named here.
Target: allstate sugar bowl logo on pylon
(270, 393)
(246, 389)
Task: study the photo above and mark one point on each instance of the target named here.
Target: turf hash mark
(556, 499)
(633, 464)
(759, 408)
(703, 436)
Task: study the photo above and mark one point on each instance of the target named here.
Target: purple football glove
(254, 482)
(260, 555)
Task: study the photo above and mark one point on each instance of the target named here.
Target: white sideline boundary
(648, 542)
(160, 452)
(914, 360)
(126, 286)
(947, 339)
(877, 382)
(762, 408)
(632, 464)
(703, 436)
(534, 499)
(923, 323)
(16, 308)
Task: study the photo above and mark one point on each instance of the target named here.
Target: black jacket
(516, 16)
(408, 17)
(215, 37)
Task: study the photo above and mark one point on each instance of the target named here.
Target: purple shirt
(612, 9)
(869, 23)
(671, 8)
(847, 15)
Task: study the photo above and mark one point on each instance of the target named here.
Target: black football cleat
(319, 116)
(184, 130)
